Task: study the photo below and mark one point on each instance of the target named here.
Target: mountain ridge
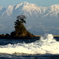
(39, 20)
(30, 8)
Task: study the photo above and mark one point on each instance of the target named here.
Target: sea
(44, 47)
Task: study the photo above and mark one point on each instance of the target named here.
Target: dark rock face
(20, 30)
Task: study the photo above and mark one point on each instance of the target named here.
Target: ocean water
(45, 47)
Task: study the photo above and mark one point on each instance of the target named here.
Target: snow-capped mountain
(39, 20)
(31, 9)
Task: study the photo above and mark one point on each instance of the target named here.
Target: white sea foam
(46, 44)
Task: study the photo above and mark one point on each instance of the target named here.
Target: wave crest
(45, 45)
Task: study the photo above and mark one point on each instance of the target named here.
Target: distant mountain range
(39, 20)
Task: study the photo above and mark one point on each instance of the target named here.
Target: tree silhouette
(19, 27)
(21, 18)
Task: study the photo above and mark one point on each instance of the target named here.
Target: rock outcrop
(20, 30)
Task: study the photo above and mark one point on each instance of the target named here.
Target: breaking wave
(45, 45)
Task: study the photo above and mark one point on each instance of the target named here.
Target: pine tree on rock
(20, 30)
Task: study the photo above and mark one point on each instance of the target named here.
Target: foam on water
(45, 45)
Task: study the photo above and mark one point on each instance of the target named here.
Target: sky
(44, 3)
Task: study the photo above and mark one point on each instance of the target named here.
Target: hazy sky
(43, 3)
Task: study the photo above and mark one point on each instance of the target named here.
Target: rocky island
(20, 30)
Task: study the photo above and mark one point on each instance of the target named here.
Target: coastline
(41, 35)
(24, 37)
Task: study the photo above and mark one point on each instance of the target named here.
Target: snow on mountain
(39, 20)
(1, 8)
(26, 8)
(32, 9)
(53, 10)
(9, 10)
